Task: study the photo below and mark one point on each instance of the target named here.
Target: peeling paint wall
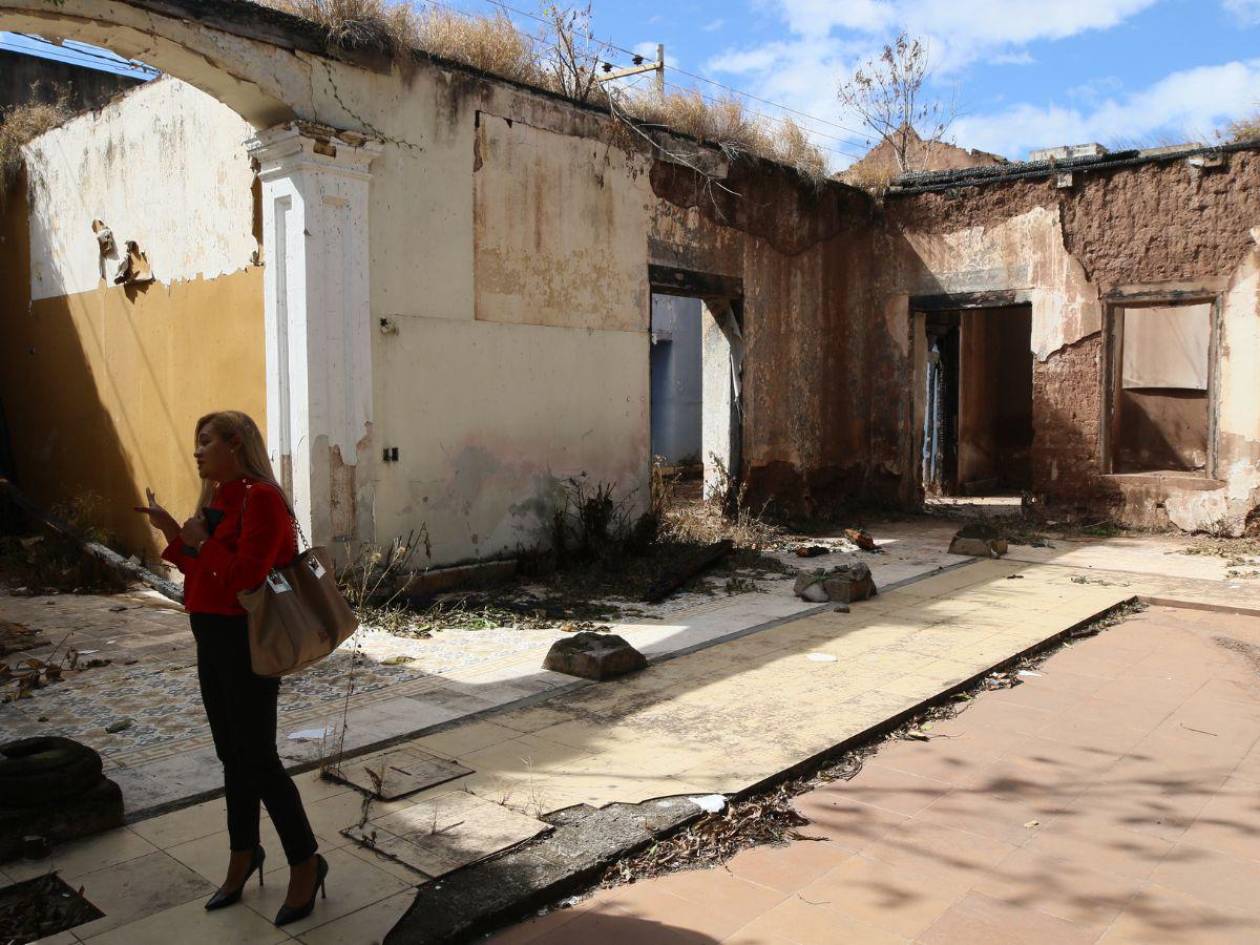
(101, 384)
(165, 166)
(1160, 227)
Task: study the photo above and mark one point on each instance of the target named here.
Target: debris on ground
(1083, 579)
(69, 554)
(16, 637)
(716, 837)
(862, 538)
(1242, 555)
(812, 551)
(687, 569)
(41, 908)
(121, 725)
(593, 656)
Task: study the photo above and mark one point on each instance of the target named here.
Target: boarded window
(1161, 407)
(1166, 347)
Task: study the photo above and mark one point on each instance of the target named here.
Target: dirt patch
(1248, 651)
(40, 908)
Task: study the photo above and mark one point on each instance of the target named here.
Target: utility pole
(640, 66)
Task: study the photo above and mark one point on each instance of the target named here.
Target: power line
(603, 45)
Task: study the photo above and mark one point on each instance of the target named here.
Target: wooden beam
(666, 280)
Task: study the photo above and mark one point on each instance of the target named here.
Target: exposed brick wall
(1067, 422)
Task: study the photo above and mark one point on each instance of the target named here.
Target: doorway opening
(977, 429)
(695, 364)
(677, 384)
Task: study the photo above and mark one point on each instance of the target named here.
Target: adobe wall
(1159, 226)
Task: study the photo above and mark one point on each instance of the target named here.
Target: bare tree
(576, 56)
(887, 94)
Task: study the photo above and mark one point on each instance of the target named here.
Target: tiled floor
(1114, 799)
(398, 686)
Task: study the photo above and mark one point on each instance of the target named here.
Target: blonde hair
(233, 424)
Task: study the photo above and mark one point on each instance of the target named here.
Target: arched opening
(195, 245)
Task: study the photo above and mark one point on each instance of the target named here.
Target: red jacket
(239, 553)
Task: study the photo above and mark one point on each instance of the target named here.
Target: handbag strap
(297, 526)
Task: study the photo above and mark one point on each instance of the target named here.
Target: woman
(242, 529)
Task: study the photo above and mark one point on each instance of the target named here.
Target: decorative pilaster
(317, 289)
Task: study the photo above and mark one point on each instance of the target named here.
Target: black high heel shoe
(223, 899)
(289, 914)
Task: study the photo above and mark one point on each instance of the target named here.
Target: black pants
(241, 708)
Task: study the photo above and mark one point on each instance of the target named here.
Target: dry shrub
(493, 44)
(489, 43)
(19, 125)
(1244, 129)
(727, 123)
(874, 177)
(358, 24)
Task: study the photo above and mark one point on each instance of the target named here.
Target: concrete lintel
(950, 301)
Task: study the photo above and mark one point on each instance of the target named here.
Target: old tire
(43, 770)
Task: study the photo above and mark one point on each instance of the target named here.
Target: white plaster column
(318, 323)
(721, 368)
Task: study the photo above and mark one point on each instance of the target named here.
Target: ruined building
(434, 286)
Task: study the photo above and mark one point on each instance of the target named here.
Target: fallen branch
(124, 567)
(665, 585)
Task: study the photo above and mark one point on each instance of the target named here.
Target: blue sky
(1025, 73)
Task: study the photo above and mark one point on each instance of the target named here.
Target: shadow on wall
(102, 388)
(64, 441)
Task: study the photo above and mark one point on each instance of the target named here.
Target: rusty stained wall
(814, 362)
(1159, 226)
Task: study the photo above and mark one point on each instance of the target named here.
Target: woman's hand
(194, 532)
(159, 518)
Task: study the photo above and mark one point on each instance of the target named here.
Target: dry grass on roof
(728, 123)
(494, 45)
(19, 125)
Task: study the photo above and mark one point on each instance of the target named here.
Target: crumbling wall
(1159, 226)
(812, 355)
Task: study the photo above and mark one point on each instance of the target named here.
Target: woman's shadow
(592, 927)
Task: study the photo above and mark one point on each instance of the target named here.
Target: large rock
(978, 541)
(843, 584)
(593, 656)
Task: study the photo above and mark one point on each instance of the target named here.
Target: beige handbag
(297, 616)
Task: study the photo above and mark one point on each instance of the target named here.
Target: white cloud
(1182, 106)
(960, 31)
(1245, 11)
(828, 38)
(713, 25)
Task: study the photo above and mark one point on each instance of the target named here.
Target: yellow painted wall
(101, 389)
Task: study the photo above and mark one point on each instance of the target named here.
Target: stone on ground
(594, 656)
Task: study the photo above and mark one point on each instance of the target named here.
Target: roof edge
(930, 181)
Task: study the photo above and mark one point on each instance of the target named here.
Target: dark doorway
(977, 436)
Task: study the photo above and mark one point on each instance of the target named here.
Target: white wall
(164, 165)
